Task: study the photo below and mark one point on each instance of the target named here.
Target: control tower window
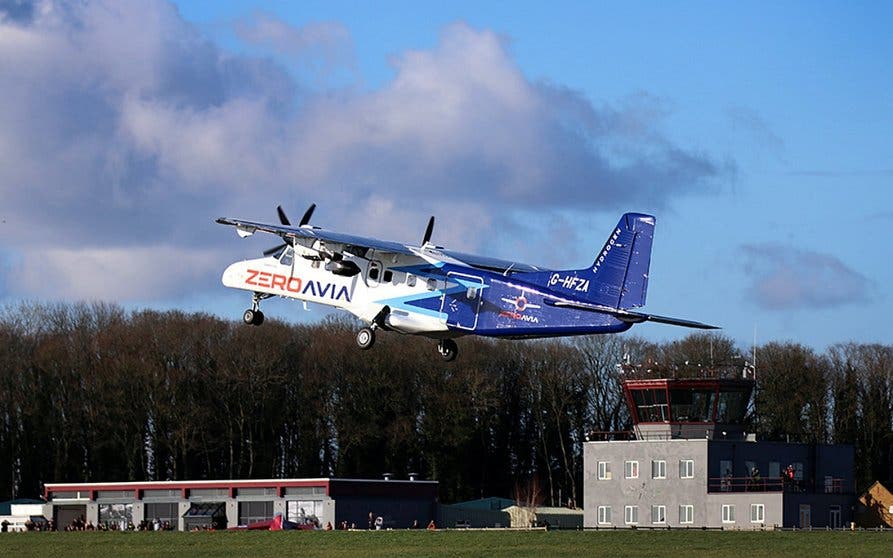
(651, 405)
(732, 406)
(692, 405)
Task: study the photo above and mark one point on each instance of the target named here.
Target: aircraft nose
(231, 274)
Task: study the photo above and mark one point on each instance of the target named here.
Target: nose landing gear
(253, 316)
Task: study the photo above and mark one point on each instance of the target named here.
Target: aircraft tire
(448, 350)
(365, 338)
(258, 318)
(248, 317)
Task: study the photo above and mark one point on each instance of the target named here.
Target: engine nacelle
(344, 268)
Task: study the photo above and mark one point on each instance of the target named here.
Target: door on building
(834, 517)
(805, 516)
(64, 516)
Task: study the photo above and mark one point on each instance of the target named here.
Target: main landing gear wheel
(366, 338)
(253, 317)
(448, 349)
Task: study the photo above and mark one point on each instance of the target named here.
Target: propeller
(283, 218)
(307, 215)
(428, 231)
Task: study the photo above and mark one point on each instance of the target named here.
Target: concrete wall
(710, 456)
(644, 492)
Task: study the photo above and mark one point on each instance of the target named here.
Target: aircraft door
(462, 300)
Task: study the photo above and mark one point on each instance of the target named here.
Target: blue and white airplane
(444, 294)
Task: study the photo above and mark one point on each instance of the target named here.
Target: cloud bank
(124, 132)
(786, 278)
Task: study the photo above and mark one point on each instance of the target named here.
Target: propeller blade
(307, 214)
(282, 217)
(428, 231)
(271, 251)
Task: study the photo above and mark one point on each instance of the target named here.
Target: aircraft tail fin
(618, 278)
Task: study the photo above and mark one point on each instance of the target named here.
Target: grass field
(552, 544)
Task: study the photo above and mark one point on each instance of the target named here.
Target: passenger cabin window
(432, 284)
(373, 273)
(388, 276)
(410, 280)
(471, 293)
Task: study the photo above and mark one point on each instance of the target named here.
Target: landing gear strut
(448, 349)
(366, 336)
(253, 316)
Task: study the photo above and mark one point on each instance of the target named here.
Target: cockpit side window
(287, 256)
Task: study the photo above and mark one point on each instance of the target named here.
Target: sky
(756, 133)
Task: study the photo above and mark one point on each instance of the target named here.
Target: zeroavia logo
(296, 285)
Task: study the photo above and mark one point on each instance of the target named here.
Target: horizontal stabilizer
(629, 317)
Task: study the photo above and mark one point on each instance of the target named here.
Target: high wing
(289, 233)
(627, 316)
(492, 264)
(354, 242)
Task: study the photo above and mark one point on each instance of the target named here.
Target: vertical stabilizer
(618, 277)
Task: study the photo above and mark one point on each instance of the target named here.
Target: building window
(604, 515)
(118, 514)
(300, 511)
(757, 513)
(728, 513)
(252, 512)
(114, 494)
(631, 469)
(658, 514)
(163, 515)
(686, 514)
(604, 470)
(659, 469)
(686, 469)
(258, 491)
(209, 492)
(631, 515)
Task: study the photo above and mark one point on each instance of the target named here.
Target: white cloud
(122, 128)
(145, 273)
(785, 278)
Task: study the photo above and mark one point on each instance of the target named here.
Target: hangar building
(229, 503)
(689, 463)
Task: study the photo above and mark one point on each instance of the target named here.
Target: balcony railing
(780, 484)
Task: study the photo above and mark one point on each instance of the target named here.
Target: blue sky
(757, 134)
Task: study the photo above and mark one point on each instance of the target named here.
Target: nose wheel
(253, 316)
(448, 349)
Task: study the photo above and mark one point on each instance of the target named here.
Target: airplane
(445, 294)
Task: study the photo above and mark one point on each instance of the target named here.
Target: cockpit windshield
(287, 256)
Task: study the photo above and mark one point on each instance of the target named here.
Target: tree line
(91, 392)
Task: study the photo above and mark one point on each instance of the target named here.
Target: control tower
(688, 408)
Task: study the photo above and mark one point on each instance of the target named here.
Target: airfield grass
(553, 544)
